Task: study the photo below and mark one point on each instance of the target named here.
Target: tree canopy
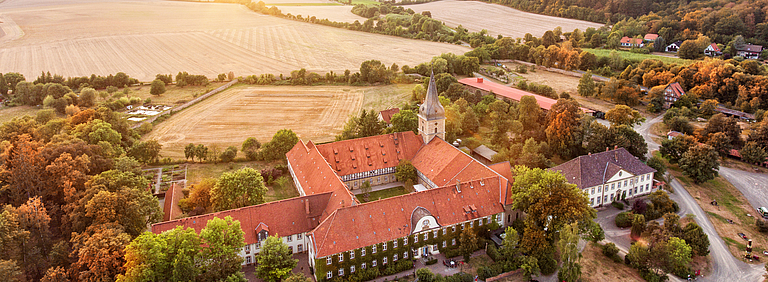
(241, 188)
(274, 260)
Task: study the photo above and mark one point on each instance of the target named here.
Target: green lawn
(640, 57)
(9, 113)
(383, 194)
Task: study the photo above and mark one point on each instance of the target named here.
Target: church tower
(431, 114)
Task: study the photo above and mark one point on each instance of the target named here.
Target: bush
(762, 224)
(624, 219)
(493, 253)
(450, 253)
(618, 205)
(611, 251)
(431, 262)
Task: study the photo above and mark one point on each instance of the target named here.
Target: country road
(725, 266)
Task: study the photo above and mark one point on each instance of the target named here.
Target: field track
(497, 19)
(201, 38)
(315, 113)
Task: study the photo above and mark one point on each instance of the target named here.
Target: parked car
(743, 236)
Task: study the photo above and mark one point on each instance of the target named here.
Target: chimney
(306, 205)
(458, 186)
(479, 80)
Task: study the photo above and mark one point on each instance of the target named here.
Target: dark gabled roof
(387, 114)
(751, 48)
(595, 169)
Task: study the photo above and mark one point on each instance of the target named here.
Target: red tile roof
(370, 153)
(633, 41)
(676, 89)
(511, 93)
(315, 175)
(714, 47)
(443, 164)
(388, 219)
(505, 170)
(171, 208)
(285, 217)
(387, 114)
(651, 36)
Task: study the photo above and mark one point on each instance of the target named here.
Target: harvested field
(200, 38)
(9, 113)
(333, 13)
(497, 19)
(228, 118)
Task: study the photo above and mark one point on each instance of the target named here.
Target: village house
(673, 47)
(631, 42)
(386, 115)
(609, 176)
(672, 93)
(712, 50)
(749, 51)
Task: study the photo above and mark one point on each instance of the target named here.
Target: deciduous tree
(242, 188)
(753, 154)
(624, 115)
(274, 260)
(570, 270)
(700, 163)
(564, 131)
(282, 142)
(405, 120)
(405, 171)
(251, 148)
(99, 252)
(467, 242)
(224, 240)
(157, 87)
(674, 149)
(586, 86)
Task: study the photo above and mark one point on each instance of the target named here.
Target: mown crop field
(78, 39)
(316, 113)
(497, 19)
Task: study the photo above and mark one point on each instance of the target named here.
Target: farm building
(631, 42)
(672, 92)
(749, 51)
(735, 113)
(483, 154)
(712, 50)
(673, 47)
(386, 115)
(501, 91)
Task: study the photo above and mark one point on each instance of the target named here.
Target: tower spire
(431, 113)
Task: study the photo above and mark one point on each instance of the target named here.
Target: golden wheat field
(497, 19)
(144, 38)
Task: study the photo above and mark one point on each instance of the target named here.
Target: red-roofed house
(386, 115)
(712, 50)
(631, 42)
(650, 37)
(672, 93)
(501, 91)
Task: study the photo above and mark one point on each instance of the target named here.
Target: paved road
(753, 185)
(725, 266)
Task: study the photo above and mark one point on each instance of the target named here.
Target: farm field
(316, 113)
(336, 13)
(9, 113)
(497, 19)
(640, 57)
(200, 38)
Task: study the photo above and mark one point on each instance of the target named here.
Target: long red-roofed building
(487, 87)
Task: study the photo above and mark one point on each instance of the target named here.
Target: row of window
(288, 238)
(625, 183)
(605, 198)
(424, 235)
(367, 174)
(376, 182)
